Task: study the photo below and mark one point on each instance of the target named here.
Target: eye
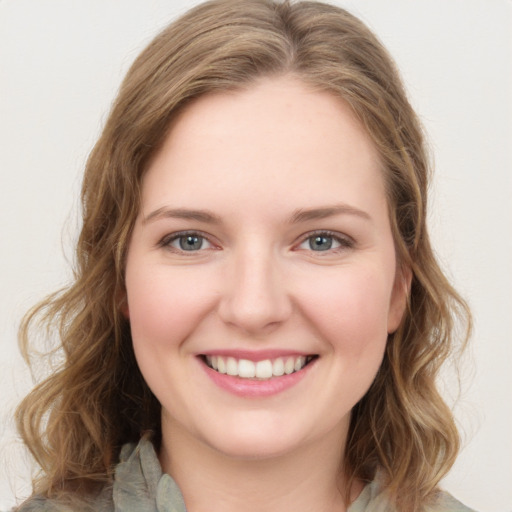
(186, 242)
(325, 241)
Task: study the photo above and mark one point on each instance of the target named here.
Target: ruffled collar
(140, 485)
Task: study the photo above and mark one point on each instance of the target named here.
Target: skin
(255, 159)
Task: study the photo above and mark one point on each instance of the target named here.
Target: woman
(257, 318)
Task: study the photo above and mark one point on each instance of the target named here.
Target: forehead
(277, 138)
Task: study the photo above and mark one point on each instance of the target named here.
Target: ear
(399, 297)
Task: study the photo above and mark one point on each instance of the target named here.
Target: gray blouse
(141, 486)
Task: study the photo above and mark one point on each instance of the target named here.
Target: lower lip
(253, 388)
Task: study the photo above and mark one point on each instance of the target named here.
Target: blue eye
(322, 242)
(186, 242)
(190, 242)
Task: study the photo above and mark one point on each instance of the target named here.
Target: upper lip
(256, 355)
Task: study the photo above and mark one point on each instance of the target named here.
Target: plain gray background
(61, 62)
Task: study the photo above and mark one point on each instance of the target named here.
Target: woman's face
(261, 275)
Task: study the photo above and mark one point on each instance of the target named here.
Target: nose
(255, 299)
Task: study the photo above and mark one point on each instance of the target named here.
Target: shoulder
(38, 504)
(445, 502)
(373, 498)
(100, 503)
(137, 475)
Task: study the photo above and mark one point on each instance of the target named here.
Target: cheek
(164, 306)
(350, 309)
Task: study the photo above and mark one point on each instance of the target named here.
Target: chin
(252, 449)
(254, 441)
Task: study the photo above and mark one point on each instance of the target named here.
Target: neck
(308, 479)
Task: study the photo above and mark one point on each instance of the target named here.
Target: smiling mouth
(260, 370)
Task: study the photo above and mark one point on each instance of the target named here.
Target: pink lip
(249, 388)
(255, 355)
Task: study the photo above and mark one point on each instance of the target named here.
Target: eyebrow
(300, 215)
(303, 215)
(182, 213)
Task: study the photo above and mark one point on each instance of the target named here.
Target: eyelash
(167, 240)
(344, 242)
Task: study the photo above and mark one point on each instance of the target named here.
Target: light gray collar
(140, 485)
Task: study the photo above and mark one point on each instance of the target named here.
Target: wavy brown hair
(75, 421)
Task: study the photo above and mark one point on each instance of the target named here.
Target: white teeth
(299, 363)
(289, 365)
(246, 369)
(221, 365)
(231, 366)
(264, 370)
(278, 367)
